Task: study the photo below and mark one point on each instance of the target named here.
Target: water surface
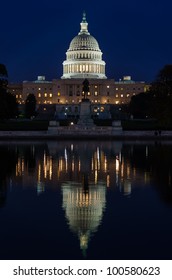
(85, 200)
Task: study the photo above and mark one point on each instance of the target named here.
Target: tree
(3, 76)
(140, 105)
(162, 86)
(157, 102)
(161, 91)
(8, 103)
(30, 106)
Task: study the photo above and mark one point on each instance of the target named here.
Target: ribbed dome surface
(84, 42)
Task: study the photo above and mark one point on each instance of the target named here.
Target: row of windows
(79, 86)
(78, 101)
(38, 89)
(83, 55)
(129, 88)
(78, 94)
(46, 95)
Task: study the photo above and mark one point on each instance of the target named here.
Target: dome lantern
(84, 25)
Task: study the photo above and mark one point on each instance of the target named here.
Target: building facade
(83, 61)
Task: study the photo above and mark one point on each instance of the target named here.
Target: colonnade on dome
(84, 68)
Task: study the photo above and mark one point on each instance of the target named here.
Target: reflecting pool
(85, 200)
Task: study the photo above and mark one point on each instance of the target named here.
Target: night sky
(134, 36)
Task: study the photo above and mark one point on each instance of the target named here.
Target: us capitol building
(83, 61)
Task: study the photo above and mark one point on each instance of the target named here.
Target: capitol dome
(84, 42)
(84, 57)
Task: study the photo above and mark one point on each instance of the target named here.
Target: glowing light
(108, 180)
(117, 164)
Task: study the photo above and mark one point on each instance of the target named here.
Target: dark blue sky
(134, 36)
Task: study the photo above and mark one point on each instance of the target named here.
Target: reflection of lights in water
(66, 159)
(60, 164)
(98, 154)
(117, 164)
(108, 181)
(105, 164)
(122, 170)
(39, 172)
(40, 187)
(71, 147)
(128, 171)
(48, 166)
(147, 151)
(22, 165)
(134, 172)
(146, 177)
(65, 154)
(45, 166)
(127, 187)
(79, 166)
(73, 165)
(95, 176)
(51, 168)
(117, 169)
(83, 209)
(92, 164)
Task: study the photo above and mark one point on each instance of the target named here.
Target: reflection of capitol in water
(84, 206)
(56, 163)
(84, 172)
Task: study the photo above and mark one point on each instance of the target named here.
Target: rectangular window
(45, 94)
(51, 95)
(95, 93)
(39, 94)
(58, 94)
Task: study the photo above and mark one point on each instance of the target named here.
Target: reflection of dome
(84, 58)
(84, 209)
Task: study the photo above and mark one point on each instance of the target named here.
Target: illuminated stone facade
(83, 60)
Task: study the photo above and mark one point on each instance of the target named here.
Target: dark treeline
(157, 102)
(8, 102)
